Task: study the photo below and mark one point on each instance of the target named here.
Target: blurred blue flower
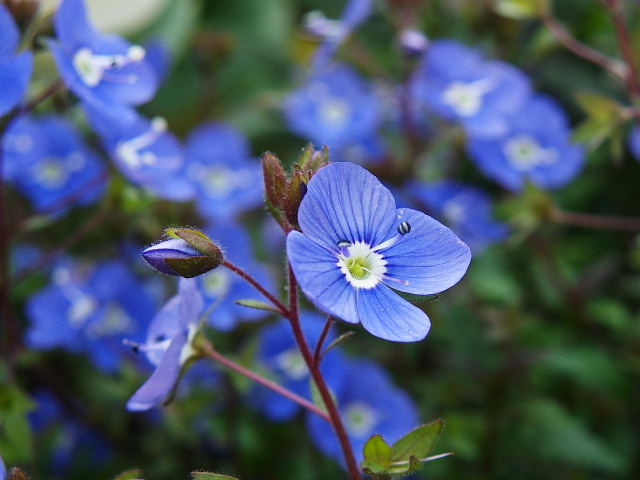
(336, 108)
(104, 70)
(369, 151)
(221, 287)
(369, 404)
(168, 345)
(280, 356)
(633, 141)
(51, 162)
(146, 152)
(19, 147)
(227, 179)
(466, 209)
(335, 32)
(15, 69)
(3, 470)
(89, 309)
(536, 147)
(355, 247)
(456, 82)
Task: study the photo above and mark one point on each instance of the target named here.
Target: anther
(343, 246)
(404, 228)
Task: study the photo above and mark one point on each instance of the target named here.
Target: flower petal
(9, 35)
(428, 259)
(162, 381)
(346, 202)
(320, 277)
(15, 72)
(72, 24)
(387, 315)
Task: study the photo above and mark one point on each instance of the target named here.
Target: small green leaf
(520, 9)
(598, 107)
(133, 474)
(257, 304)
(338, 341)
(210, 476)
(417, 443)
(378, 451)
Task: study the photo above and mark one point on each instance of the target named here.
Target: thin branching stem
(317, 354)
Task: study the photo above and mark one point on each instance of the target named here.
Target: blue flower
(222, 288)
(20, 147)
(279, 355)
(466, 209)
(15, 69)
(168, 346)
(335, 32)
(3, 470)
(633, 141)
(369, 404)
(456, 82)
(336, 108)
(355, 247)
(146, 152)
(536, 147)
(89, 310)
(104, 70)
(227, 179)
(57, 163)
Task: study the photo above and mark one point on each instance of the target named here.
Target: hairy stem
(316, 374)
(208, 350)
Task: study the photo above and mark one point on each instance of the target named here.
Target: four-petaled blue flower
(336, 108)
(89, 309)
(50, 162)
(279, 355)
(355, 248)
(104, 70)
(456, 82)
(15, 69)
(464, 208)
(228, 181)
(369, 404)
(536, 147)
(168, 345)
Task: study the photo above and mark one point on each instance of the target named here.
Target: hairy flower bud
(188, 254)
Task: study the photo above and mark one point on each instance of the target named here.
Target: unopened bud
(413, 42)
(180, 258)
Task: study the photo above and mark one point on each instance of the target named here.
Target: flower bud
(413, 42)
(179, 258)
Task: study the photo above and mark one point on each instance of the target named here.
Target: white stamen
(93, 68)
(130, 150)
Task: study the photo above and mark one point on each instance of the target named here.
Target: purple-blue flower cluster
(15, 68)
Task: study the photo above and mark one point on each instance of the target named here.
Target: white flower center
(362, 266)
(50, 173)
(524, 153)
(92, 68)
(454, 211)
(292, 364)
(466, 98)
(81, 308)
(114, 321)
(335, 112)
(316, 23)
(219, 181)
(360, 418)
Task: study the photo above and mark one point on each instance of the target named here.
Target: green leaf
(520, 9)
(377, 451)
(134, 474)
(210, 476)
(257, 304)
(338, 341)
(417, 443)
(598, 107)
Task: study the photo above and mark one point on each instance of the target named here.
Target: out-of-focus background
(533, 359)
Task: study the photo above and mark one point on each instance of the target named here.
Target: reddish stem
(588, 220)
(208, 349)
(317, 354)
(316, 374)
(616, 11)
(277, 303)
